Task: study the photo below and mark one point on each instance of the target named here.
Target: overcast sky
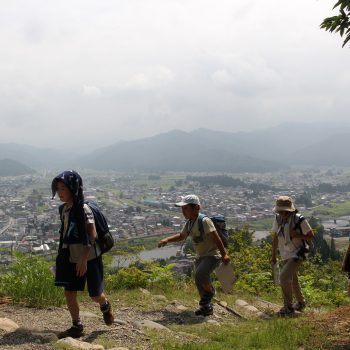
(77, 72)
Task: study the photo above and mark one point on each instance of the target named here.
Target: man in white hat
(290, 233)
(207, 245)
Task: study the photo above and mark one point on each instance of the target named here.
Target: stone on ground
(74, 344)
(8, 325)
(145, 291)
(160, 297)
(240, 302)
(149, 325)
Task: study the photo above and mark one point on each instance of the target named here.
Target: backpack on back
(104, 237)
(297, 219)
(220, 226)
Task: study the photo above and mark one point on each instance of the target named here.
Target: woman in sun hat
(290, 232)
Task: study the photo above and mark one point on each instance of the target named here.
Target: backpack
(104, 237)
(304, 250)
(220, 226)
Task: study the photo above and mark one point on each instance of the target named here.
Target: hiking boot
(76, 331)
(107, 314)
(204, 310)
(286, 311)
(299, 306)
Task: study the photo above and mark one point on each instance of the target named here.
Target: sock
(77, 323)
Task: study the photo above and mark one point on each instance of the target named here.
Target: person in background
(346, 265)
(79, 257)
(208, 247)
(290, 233)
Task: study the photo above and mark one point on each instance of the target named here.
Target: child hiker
(79, 258)
(208, 247)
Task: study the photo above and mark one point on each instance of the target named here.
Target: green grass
(274, 334)
(260, 225)
(29, 280)
(337, 209)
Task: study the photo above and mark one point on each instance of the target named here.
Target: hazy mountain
(200, 150)
(34, 157)
(281, 143)
(9, 167)
(334, 150)
(204, 150)
(207, 150)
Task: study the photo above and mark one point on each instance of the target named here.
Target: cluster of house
(29, 219)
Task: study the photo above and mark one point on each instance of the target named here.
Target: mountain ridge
(202, 149)
(10, 167)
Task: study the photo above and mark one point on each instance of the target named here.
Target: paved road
(4, 229)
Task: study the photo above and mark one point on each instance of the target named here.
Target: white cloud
(143, 67)
(154, 78)
(91, 91)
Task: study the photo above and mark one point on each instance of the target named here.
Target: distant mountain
(35, 157)
(9, 167)
(334, 150)
(283, 143)
(200, 150)
(204, 150)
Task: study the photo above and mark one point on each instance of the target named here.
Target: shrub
(146, 275)
(126, 278)
(29, 280)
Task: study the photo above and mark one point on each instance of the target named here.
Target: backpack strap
(60, 210)
(298, 219)
(200, 224)
(187, 227)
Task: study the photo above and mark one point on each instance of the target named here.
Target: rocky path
(24, 328)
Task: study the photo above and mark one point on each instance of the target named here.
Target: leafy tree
(252, 263)
(340, 23)
(304, 198)
(334, 255)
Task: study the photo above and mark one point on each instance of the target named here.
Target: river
(157, 253)
(166, 252)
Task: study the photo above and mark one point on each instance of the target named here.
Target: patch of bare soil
(331, 330)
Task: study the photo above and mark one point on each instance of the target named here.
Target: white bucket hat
(189, 199)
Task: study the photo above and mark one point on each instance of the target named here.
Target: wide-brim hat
(284, 203)
(189, 199)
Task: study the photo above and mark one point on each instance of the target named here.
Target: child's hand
(163, 242)
(81, 267)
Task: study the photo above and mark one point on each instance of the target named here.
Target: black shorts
(93, 276)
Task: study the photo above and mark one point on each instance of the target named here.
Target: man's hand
(225, 259)
(163, 242)
(81, 266)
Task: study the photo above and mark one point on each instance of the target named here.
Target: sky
(88, 73)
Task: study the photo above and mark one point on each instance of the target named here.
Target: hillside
(9, 167)
(149, 321)
(331, 151)
(178, 151)
(34, 157)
